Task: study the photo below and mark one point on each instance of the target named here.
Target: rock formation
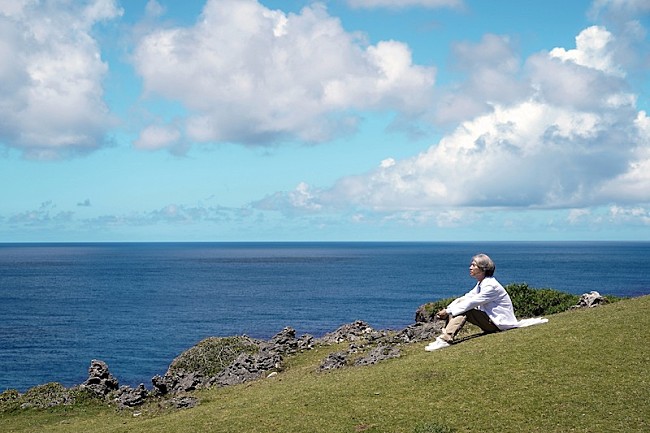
(591, 299)
(100, 380)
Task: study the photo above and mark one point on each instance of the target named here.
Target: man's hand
(442, 314)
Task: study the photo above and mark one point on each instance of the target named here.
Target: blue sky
(252, 120)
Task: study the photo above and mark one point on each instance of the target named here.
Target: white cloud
(637, 214)
(620, 8)
(253, 75)
(567, 136)
(158, 137)
(51, 77)
(492, 69)
(397, 4)
(593, 50)
(576, 216)
(633, 185)
(154, 9)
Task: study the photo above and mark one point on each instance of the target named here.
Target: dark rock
(100, 380)
(379, 353)
(248, 367)
(420, 331)
(354, 331)
(162, 384)
(335, 360)
(177, 382)
(184, 402)
(285, 342)
(425, 314)
(126, 396)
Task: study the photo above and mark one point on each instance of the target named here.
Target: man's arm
(489, 293)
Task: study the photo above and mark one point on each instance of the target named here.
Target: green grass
(584, 371)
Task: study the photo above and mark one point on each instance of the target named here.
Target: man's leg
(482, 320)
(454, 325)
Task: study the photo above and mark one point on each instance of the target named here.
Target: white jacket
(488, 296)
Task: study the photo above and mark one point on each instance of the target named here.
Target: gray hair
(485, 264)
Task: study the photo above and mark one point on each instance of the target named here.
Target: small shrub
(212, 355)
(9, 395)
(433, 307)
(9, 400)
(529, 302)
(47, 395)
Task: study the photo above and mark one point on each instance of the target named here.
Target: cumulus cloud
(492, 69)
(593, 50)
(51, 76)
(252, 75)
(559, 131)
(397, 4)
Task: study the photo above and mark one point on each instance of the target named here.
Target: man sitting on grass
(487, 306)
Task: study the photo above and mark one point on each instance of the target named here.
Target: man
(487, 306)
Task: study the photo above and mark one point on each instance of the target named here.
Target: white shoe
(435, 345)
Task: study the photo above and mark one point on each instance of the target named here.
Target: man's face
(475, 271)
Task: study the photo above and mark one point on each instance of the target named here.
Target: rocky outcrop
(183, 402)
(421, 331)
(367, 346)
(104, 385)
(126, 396)
(177, 382)
(248, 367)
(355, 331)
(100, 380)
(229, 361)
(379, 353)
(591, 299)
(286, 343)
(335, 360)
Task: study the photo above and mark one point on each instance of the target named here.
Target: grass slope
(584, 371)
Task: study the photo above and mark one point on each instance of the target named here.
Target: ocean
(137, 306)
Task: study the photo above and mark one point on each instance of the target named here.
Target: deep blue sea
(139, 305)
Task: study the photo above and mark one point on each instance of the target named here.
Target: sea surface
(137, 306)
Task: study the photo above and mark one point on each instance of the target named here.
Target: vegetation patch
(44, 396)
(212, 355)
(529, 302)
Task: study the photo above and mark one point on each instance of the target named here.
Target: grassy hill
(584, 371)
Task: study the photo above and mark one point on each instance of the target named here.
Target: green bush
(212, 355)
(432, 308)
(47, 395)
(529, 302)
(9, 400)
